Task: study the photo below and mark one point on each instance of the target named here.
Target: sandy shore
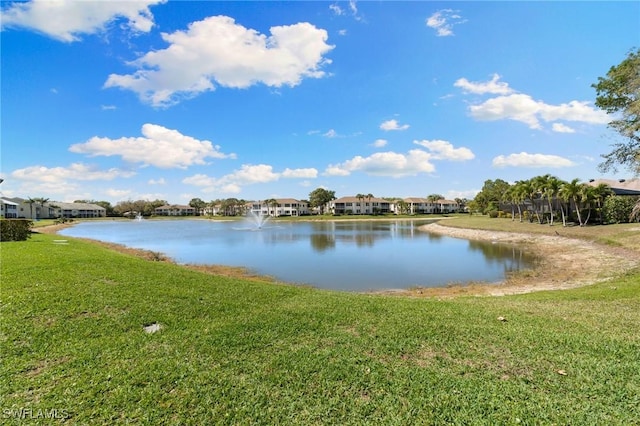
(563, 263)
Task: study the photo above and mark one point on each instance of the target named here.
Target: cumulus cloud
(525, 109)
(379, 143)
(493, 86)
(300, 173)
(443, 150)
(444, 20)
(159, 147)
(562, 128)
(385, 164)
(74, 172)
(160, 181)
(239, 58)
(525, 159)
(248, 174)
(393, 125)
(66, 20)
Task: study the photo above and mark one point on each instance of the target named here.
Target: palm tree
(509, 196)
(433, 198)
(41, 201)
(31, 202)
(551, 191)
(369, 196)
(530, 192)
(273, 203)
(601, 191)
(571, 192)
(540, 184)
(360, 197)
(587, 197)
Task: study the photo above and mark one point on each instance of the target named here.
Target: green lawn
(242, 352)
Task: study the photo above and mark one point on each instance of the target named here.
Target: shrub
(493, 214)
(15, 229)
(617, 209)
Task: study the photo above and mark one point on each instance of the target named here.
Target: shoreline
(562, 263)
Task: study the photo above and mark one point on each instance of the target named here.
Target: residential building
(8, 209)
(281, 207)
(78, 210)
(619, 187)
(355, 205)
(55, 209)
(174, 210)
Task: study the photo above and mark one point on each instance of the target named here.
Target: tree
(434, 198)
(550, 191)
(403, 206)
(530, 192)
(619, 93)
(319, 197)
(588, 197)
(620, 209)
(369, 196)
(491, 194)
(273, 203)
(229, 206)
(360, 197)
(572, 191)
(198, 205)
(31, 202)
(601, 192)
(41, 201)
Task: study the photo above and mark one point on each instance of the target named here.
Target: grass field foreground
(234, 351)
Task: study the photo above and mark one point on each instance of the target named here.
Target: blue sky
(176, 100)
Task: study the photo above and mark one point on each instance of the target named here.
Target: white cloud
(331, 134)
(160, 147)
(523, 108)
(493, 86)
(160, 181)
(118, 193)
(524, 159)
(248, 174)
(299, 173)
(443, 150)
(468, 194)
(65, 20)
(562, 128)
(77, 171)
(337, 10)
(108, 107)
(239, 58)
(379, 143)
(393, 125)
(385, 164)
(444, 20)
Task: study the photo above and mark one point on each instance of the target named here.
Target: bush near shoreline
(232, 351)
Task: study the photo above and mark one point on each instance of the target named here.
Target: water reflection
(513, 258)
(353, 255)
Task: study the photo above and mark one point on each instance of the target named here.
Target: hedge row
(15, 229)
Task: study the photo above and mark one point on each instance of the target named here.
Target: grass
(235, 351)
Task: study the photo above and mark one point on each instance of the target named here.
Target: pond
(337, 255)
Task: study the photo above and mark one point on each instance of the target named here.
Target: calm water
(352, 256)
